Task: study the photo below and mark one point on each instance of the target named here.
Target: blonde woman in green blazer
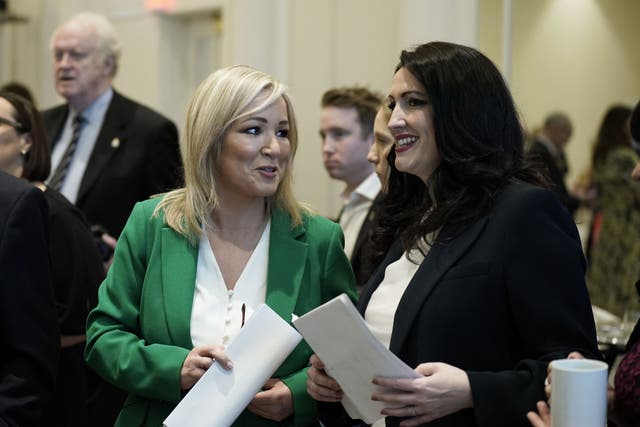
(157, 327)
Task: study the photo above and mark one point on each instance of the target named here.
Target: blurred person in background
(548, 149)
(616, 243)
(381, 147)
(76, 266)
(20, 89)
(624, 397)
(108, 152)
(346, 129)
(29, 338)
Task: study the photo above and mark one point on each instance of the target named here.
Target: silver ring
(413, 411)
(546, 381)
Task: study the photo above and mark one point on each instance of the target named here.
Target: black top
(362, 261)
(29, 341)
(635, 334)
(76, 266)
(555, 169)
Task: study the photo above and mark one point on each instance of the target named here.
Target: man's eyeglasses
(17, 126)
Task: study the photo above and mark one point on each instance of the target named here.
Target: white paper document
(219, 397)
(339, 336)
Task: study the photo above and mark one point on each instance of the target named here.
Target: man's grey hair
(108, 42)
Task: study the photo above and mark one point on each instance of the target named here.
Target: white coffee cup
(578, 393)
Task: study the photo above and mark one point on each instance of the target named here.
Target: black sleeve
(549, 304)
(28, 328)
(333, 415)
(76, 269)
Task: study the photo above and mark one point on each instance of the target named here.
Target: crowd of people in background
(131, 257)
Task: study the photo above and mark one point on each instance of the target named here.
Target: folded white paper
(219, 397)
(352, 355)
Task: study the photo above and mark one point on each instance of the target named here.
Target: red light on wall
(160, 5)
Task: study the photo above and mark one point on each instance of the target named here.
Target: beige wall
(575, 55)
(337, 43)
(579, 56)
(311, 45)
(491, 31)
(327, 49)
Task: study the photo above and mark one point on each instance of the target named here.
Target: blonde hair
(222, 99)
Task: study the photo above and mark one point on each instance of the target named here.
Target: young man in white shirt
(346, 129)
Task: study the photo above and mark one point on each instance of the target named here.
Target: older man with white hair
(109, 152)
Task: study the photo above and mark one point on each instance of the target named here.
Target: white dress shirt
(355, 208)
(216, 316)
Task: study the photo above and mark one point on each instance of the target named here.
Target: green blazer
(139, 334)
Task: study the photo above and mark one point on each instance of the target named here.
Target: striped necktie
(57, 179)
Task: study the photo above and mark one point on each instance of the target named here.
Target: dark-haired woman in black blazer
(485, 283)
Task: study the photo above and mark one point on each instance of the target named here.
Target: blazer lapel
(54, 123)
(116, 117)
(287, 260)
(439, 260)
(179, 262)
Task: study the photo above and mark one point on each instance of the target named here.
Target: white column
(258, 35)
(506, 38)
(423, 21)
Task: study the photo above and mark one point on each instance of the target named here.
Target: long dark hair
(478, 135)
(393, 214)
(613, 133)
(37, 162)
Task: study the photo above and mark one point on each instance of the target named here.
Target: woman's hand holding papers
(321, 386)
(443, 389)
(274, 402)
(198, 361)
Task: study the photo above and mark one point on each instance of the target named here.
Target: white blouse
(216, 316)
(355, 209)
(384, 301)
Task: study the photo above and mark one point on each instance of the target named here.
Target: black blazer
(76, 272)
(76, 266)
(361, 262)
(136, 155)
(498, 299)
(29, 340)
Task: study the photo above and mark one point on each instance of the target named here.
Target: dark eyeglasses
(17, 126)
